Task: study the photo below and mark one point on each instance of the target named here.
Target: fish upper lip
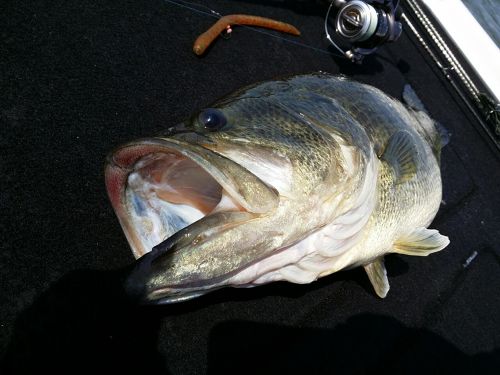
(187, 136)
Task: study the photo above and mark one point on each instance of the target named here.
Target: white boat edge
(475, 44)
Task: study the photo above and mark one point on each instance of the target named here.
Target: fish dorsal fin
(411, 99)
(421, 242)
(378, 276)
(443, 135)
(400, 154)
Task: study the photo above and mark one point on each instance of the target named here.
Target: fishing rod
(480, 104)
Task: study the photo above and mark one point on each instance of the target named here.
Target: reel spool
(365, 25)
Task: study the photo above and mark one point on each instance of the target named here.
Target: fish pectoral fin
(421, 242)
(400, 154)
(378, 276)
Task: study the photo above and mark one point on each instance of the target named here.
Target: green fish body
(291, 179)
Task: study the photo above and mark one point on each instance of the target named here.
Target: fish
(286, 180)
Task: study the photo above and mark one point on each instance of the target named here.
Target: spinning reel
(364, 24)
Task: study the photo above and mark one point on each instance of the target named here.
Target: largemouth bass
(291, 179)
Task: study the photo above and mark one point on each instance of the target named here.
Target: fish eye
(212, 119)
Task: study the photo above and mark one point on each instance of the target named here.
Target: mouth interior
(164, 193)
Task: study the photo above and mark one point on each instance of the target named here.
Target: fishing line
(182, 4)
(215, 14)
(292, 41)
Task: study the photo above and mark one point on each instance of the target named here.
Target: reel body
(364, 24)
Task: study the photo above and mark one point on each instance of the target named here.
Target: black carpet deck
(78, 78)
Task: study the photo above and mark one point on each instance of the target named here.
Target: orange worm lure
(205, 39)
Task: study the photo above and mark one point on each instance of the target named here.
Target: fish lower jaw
(304, 271)
(167, 297)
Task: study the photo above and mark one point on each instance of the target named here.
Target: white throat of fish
(323, 251)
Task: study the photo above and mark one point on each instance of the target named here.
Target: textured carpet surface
(79, 78)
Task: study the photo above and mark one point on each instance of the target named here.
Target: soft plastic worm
(205, 39)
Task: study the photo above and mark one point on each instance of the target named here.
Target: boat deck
(79, 78)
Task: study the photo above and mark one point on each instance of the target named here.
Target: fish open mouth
(157, 189)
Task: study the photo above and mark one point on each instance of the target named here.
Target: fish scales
(284, 131)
